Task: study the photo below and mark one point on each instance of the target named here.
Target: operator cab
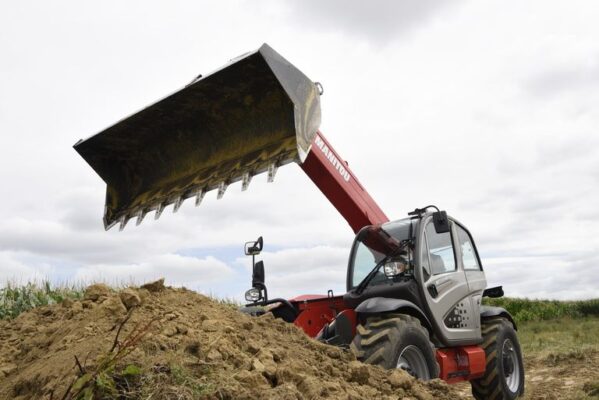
(428, 260)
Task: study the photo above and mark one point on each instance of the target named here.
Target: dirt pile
(177, 344)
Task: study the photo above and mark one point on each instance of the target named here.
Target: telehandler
(414, 286)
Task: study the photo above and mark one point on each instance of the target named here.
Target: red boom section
(337, 182)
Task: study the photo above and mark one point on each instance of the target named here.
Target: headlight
(393, 269)
(253, 295)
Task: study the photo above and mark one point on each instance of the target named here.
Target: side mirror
(441, 222)
(254, 248)
(494, 292)
(258, 275)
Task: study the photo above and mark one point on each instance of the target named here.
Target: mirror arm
(262, 287)
(276, 300)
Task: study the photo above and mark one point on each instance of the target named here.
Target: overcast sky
(487, 109)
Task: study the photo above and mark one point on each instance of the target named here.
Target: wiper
(362, 285)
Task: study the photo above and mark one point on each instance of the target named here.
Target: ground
(561, 359)
(177, 344)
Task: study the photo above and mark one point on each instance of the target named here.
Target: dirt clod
(399, 379)
(130, 298)
(113, 306)
(67, 303)
(156, 286)
(358, 372)
(211, 325)
(7, 369)
(96, 291)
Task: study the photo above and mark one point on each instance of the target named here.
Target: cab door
(445, 286)
(470, 261)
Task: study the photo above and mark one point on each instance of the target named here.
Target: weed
(107, 380)
(591, 389)
(183, 377)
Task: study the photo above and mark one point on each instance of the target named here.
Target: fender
(377, 305)
(488, 312)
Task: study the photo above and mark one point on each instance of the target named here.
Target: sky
(485, 109)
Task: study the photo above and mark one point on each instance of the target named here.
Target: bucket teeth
(159, 210)
(178, 203)
(246, 178)
(272, 170)
(122, 222)
(140, 217)
(199, 196)
(222, 188)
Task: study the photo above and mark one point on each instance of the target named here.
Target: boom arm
(337, 182)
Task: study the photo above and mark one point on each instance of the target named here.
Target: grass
(560, 338)
(15, 299)
(227, 301)
(183, 377)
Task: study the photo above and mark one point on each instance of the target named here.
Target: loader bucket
(252, 115)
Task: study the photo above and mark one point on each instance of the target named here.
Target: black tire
(501, 372)
(384, 338)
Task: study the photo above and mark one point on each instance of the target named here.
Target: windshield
(364, 257)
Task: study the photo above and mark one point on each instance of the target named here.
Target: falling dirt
(178, 344)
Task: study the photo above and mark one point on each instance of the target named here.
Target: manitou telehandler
(414, 286)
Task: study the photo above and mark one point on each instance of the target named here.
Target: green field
(543, 310)
(560, 338)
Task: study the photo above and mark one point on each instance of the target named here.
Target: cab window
(440, 251)
(364, 261)
(469, 256)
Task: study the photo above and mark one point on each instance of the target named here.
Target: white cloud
(13, 270)
(376, 21)
(495, 122)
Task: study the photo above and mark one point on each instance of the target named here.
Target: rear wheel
(504, 374)
(396, 341)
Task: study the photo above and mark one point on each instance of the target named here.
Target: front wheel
(396, 341)
(504, 374)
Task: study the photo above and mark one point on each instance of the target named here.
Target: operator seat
(437, 264)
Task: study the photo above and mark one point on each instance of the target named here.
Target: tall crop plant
(15, 299)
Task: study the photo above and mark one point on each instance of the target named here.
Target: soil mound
(164, 343)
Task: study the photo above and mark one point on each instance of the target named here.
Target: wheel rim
(412, 360)
(511, 366)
